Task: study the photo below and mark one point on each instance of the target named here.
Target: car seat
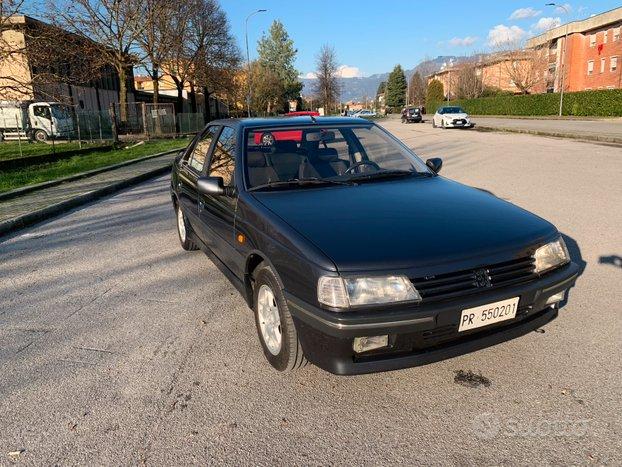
(259, 172)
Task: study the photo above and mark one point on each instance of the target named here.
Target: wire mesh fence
(93, 126)
(190, 122)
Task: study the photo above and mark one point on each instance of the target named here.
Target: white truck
(35, 120)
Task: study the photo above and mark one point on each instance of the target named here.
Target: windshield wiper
(388, 174)
(300, 182)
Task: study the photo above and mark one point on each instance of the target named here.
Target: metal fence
(190, 122)
(93, 126)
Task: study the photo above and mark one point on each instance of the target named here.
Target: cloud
(523, 13)
(504, 35)
(346, 71)
(544, 24)
(462, 41)
(309, 75)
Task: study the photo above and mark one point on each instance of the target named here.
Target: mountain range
(357, 89)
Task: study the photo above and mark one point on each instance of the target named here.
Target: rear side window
(199, 153)
(223, 157)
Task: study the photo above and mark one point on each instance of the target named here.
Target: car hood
(408, 223)
(458, 115)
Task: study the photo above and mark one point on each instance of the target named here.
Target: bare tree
(327, 83)
(469, 83)
(114, 25)
(155, 38)
(526, 68)
(417, 89)
(218, 57)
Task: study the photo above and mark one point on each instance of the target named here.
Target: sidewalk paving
(36, 206)
(604, 130)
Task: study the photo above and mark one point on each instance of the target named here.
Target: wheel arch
(253, 260)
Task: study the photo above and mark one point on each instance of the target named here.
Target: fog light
(558, 297)
(363, 344)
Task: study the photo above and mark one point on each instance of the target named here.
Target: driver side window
(223, 156)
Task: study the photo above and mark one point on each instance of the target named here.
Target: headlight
(345, 292)
(551, 255)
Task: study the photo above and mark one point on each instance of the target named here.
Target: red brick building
(590, 58)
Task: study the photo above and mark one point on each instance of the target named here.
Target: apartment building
(588, 53)
(497, 70)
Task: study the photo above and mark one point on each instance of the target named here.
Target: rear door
(189, 171)
(217, 213)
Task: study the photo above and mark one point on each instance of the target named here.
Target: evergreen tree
(396, 88)
(381, 88)
(435, 96)
(277, 54)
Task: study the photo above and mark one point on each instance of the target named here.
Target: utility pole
(562, 58)
(248, 62)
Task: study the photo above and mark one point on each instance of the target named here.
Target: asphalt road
(120, 348)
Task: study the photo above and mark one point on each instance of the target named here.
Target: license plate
(491, 313)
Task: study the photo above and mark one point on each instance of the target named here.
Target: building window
(605, 34)
(592, 40)
(616, 34)
(602, 65)
(590, 67)
(613, 63)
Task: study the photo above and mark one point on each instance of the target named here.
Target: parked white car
(365, 113)
(452, 117)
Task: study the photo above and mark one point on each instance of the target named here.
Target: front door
(217, 213)
(190, 169)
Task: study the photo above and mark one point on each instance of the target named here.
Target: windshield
(451, 110)
(326, 154)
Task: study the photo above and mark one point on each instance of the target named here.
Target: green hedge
(605, 103)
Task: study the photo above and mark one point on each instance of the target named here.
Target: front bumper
(468, 124)
(423, 333)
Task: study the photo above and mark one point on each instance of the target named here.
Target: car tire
(443, 124)
(183, 231)
(275, 326)
(433, 122)
(41, 136)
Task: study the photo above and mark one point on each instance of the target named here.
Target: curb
(34, 217)
(591, 138)
(39, 186)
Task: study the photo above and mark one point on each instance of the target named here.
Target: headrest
(256, 159)
(327, 154)
(286, 145)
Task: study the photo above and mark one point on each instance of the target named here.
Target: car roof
(289, 121)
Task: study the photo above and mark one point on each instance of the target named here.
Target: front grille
(454, 284)
(459, 121)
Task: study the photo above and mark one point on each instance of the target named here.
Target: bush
(603, 103)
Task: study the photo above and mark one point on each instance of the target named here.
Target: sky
(372, 36)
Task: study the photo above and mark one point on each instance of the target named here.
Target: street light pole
(563, 58)
(248, 61)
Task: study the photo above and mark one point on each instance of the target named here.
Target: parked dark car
(411, 115)
(356, 255)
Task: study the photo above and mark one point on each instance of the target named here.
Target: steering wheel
(360, 164)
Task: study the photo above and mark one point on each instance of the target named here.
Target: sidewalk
(603, 130)
(21, 211)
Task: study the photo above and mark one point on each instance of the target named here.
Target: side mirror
(435, 164)
(214, 186)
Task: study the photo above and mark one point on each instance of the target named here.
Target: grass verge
(12, 179)
(10, 149)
